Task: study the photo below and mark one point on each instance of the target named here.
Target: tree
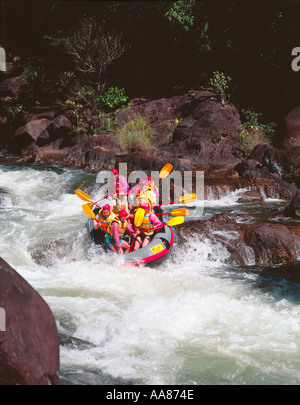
(93, 50)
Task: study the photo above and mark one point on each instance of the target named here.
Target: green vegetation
(136, 134)
(152, 50)
(252, 133)
(219, 85)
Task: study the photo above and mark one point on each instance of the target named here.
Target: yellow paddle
(184, 199)
(138, 219)
(174, 221)
(165, 171)
(85, 197)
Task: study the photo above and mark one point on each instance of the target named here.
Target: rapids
(194, 320)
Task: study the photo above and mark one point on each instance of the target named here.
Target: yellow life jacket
(122, 227)
(105, 222)
(145, 196)
(146, 225)
(153, 187)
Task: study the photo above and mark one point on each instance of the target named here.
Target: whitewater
(192, 321)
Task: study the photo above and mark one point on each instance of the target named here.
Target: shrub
(252, 133)
(112, 98)
(136, 134)
(219, 85)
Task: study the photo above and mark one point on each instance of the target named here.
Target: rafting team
(118, 219)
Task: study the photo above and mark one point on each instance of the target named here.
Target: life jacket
(153, 188)
(146, 225)
(122, 227)
(120, 206)
(144, 195)
(105, 222)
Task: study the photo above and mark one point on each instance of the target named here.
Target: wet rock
(29, 346)
(293, 209)
(250, 196)
(262, 244)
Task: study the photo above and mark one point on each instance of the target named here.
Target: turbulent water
(194, 320)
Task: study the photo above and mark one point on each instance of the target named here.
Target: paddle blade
(166, 170)
(187, 198)
(88, 211)
(139, 216)
(180, 211)
(176, 221)
(81, 194)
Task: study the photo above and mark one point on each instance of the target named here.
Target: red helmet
(144, 182)
(123, 213)
(146, 206)
(149, 178)
(106, 207)
(115, 171)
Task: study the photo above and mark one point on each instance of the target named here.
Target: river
(192, 321)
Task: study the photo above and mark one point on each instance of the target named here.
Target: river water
(194, 320)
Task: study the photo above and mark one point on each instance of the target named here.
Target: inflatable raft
(151, 255)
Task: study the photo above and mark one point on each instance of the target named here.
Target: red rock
(292, 129)
(29, 346)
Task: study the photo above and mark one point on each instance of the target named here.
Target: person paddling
(104, 218)
(116, 231)
(118, 184)
(121, 203)
(153, 187)
(150, 224)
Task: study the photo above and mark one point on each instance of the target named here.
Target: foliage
(136, 134)
(252, 133)
(181, 12)
(112, 98)
(219, 85)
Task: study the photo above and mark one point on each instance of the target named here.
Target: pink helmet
(106, 207)
(115, 171)
(144, 182)
(136, 189)
(149, 178)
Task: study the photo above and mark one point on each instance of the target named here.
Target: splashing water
(193, 320)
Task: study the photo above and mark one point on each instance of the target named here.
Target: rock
(271, 244)
(269, 184)
(34, 131)
(29, 346)
(262, 244)
(251, 196)
(292, 129)
(60, 127)
(286, 163)
(10, 87)
(293, 209)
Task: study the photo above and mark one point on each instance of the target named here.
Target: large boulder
(33, 131)
(292, 129)
(29, 344)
